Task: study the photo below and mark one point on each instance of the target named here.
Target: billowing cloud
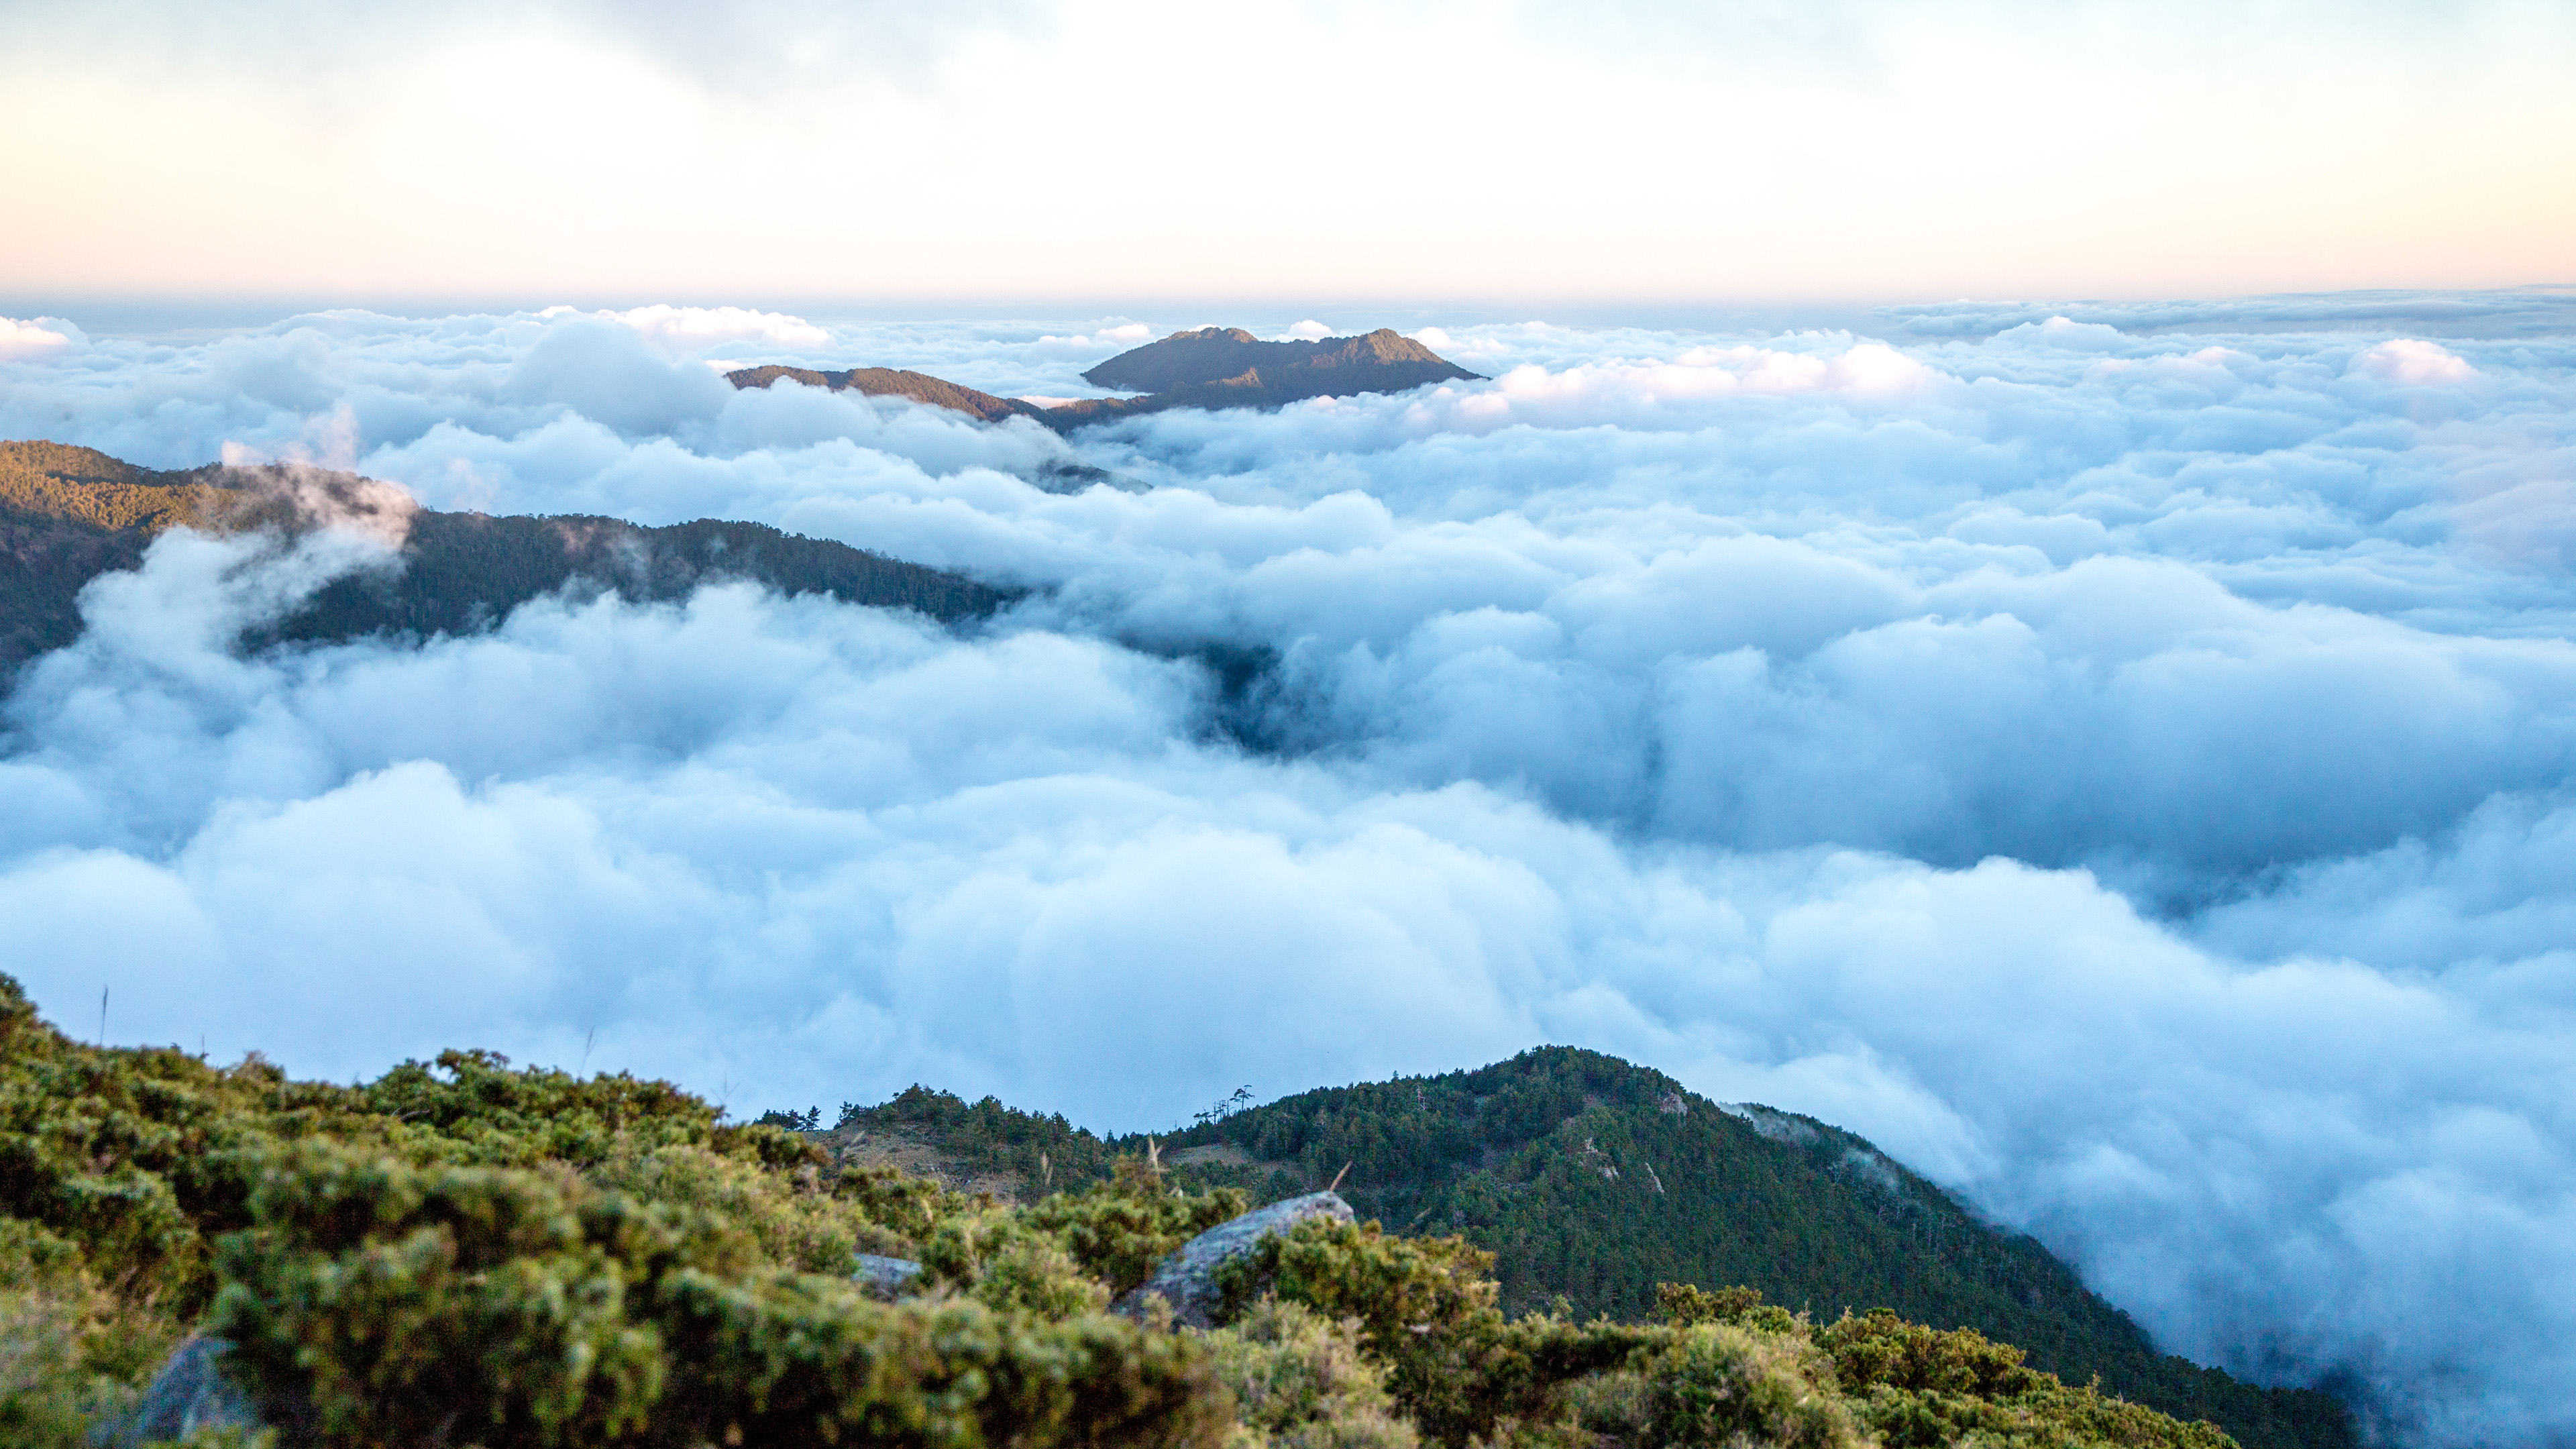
(703, 330)
(2120, 761)
(33, 338)
(2414, 361)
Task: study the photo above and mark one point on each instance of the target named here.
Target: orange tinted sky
(1337, 151)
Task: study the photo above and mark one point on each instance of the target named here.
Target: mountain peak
(1177, 369)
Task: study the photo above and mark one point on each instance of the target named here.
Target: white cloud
(693, 329)
(33, 338)
(2119, 765)
(2413, 362)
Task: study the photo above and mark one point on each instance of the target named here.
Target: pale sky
(1842, 149)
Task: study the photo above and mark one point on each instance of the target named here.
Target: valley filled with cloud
(2117, 758)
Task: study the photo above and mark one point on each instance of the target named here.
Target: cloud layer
(2119, 762)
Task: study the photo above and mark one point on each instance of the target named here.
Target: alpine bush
(386, 1304)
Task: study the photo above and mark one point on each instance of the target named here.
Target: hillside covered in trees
(70, 514)
(465, 1253)
(1593, 1181)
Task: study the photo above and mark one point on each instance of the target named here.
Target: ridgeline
(1212, 368)
(69, 514)
(463, 1252)
(1594, 1180)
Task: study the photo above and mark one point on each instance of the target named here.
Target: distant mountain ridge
(920, 387)
(69, 514)
(1595, 1179)
(1212, 368)
(1380, 361)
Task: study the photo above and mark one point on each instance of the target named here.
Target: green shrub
(1006, 1263)
(909, 1207)
(68, 1348)
(1300, 1382)
(786, 1361)
(397, 1305)
(487, 1114)
(792, 1220)
(1920, 1387)
(1118, 1230)
(1402, 1291)
(1683, 1305)
(141, 1156)
(134, 1155)
(1881, 1348)
(1425, 1309)
(1719, 1384)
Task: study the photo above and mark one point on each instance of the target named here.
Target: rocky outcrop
(1187, 1279)
(884, 1277)
(190, 1393)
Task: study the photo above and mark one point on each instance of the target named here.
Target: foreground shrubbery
(463, 1253)
(397, 1305)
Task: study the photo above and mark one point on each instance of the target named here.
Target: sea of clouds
(2116, 757)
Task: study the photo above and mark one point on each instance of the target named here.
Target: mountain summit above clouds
(1212, 368)
(1381, 361)
(1227, 367)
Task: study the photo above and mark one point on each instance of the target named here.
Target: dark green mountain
(70, 514)
(463, 572)
(1595, 1180)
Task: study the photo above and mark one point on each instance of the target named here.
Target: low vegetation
(464, 1252)
(1591, 1181)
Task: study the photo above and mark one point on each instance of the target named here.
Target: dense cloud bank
(2119, 762)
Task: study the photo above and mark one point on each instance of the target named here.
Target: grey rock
(190, 1393)
(885, 1277)
(1187, 1279)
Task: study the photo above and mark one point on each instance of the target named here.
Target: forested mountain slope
(1595, 1180)
(70, 514)
(466, 1253)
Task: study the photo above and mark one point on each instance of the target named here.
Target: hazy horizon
(1073, 148)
